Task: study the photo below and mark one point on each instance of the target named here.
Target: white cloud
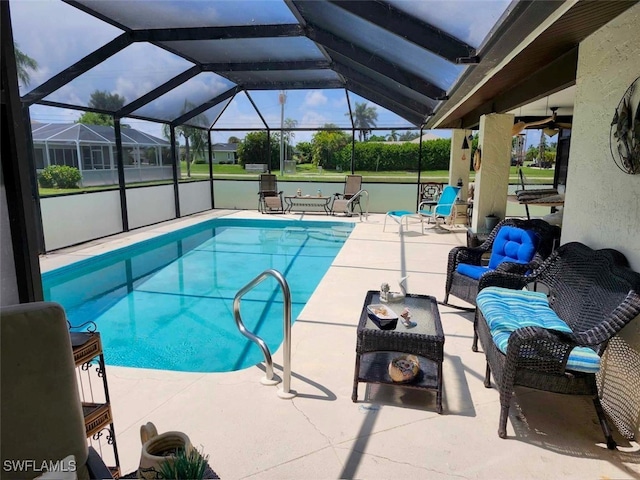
(314, 99)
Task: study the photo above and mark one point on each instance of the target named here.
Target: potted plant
(189, 464)
(490, 221)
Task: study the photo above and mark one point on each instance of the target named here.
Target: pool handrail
(285, 391)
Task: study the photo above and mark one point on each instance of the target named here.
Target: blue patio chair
(444, 209)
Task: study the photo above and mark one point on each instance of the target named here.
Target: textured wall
(602, 206)
(492, 180)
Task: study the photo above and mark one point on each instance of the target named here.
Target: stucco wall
(602, 205)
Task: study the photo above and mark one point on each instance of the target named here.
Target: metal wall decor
(477, 159)
(624, 138)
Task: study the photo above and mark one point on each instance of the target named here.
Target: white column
(459, 162)
(492, 180)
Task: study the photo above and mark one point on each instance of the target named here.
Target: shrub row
(59, 176)
(382, 157)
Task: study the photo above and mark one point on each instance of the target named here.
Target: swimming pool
(167, 303)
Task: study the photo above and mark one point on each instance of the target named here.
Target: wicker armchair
(466, 288)
(592, 291)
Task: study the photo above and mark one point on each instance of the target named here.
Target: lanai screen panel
(469, 20)
(308, 108)
(275, 78)
(381, 42)
(239, 115)
(130, 73)
(208, 117)
(386, 118)
(55, 45)
(192, 13)
(242, 50)
(185, 97)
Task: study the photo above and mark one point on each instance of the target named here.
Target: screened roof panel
(381, 50)
(307, 108)
(378, 41)
(239, 114)
(283, 76)
(192, 13)
(467, 20)
(278, 49)
(55, 45)
(386, 118)
(185, 97)
(207, 118)
(393, 88)
(130, 73)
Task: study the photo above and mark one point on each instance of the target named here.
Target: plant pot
(490, 222)
(157, 449)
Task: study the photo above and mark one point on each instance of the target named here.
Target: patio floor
(248, 432)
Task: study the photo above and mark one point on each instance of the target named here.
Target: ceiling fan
(549, 124)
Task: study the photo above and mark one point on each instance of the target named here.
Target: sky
(56, 35)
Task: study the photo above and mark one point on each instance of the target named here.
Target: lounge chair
(444, 209)
(341, 202)
(269, 198)
(515, 245)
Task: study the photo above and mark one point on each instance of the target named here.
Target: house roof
(225, 147)
(91, 134)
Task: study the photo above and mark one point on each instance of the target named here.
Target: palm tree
(193, 136)
(24, 64)
(364, 118)
(393, 136)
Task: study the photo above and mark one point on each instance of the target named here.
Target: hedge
(383, 157)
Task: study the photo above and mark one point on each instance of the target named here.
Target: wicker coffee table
(375, 348)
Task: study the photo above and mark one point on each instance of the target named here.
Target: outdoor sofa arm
(497, 278)
(611, 325)
(538, 348)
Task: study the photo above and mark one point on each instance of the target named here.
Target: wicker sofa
(592, 291)
(465, 287)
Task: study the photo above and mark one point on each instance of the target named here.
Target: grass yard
(308, 173)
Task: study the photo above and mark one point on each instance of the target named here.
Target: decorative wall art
(624, 138)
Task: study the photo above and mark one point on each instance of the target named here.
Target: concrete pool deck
(391, 432)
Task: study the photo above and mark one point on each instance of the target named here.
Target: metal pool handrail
(285, 391)
(357, 197)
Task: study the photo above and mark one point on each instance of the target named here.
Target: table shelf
(87, 349)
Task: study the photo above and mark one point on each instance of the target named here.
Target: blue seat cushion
(473, 271)
(399, 213)
(506, 310)
(513, 244)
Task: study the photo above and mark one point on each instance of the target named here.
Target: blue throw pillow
(513, 244)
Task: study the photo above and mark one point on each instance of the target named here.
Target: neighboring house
(427, 136)
(92, 150)
(225, 153)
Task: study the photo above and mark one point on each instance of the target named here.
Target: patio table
(300, 201)
(375, 348)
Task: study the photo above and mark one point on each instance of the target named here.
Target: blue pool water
(167, 303)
